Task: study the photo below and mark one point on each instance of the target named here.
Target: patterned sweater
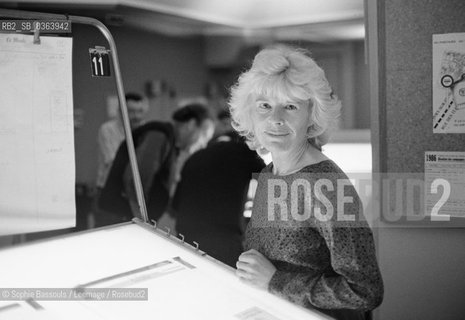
(322, 262)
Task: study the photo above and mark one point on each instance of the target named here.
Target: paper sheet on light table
(175, 290)
(37, 169)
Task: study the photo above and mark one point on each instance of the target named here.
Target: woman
(306, 241)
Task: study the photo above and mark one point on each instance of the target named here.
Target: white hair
(285, 72)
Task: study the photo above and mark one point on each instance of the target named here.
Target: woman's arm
(354, 282)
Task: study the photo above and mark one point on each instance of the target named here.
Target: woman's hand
(254, 268)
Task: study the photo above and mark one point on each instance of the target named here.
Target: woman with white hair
(307, 240)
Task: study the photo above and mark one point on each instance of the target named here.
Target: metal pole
(119, 86)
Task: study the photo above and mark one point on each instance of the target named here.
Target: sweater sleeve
(353, 281)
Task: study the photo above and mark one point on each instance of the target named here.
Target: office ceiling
(310, 20)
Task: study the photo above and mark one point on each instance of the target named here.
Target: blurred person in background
(111, 134)
(209, 201)
(109, 138)
(161, 148)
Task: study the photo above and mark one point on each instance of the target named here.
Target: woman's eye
(291, 107)
(264, 105)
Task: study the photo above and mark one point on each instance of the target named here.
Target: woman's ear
(191, 125)
(262, 151)
(310, 131)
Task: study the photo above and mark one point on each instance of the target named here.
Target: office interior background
(376, 55)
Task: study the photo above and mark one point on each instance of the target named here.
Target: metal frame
(17, 14)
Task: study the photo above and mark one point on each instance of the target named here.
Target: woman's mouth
(276, 134)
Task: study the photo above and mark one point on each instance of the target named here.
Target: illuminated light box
(181, 282)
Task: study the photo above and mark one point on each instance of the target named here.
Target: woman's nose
(276, 117)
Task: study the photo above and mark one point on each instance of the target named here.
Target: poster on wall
(445, 178)
(37, 165)
(449, 83)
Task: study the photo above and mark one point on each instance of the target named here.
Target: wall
(423, 268)
(346, 71)
(361, 85)
(143, 56)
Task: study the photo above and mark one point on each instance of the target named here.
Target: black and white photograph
(236, 160)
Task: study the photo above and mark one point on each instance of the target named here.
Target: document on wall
(37, 168)
(449, 83)
(445, 181)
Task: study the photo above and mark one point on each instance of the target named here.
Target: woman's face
(280, 125)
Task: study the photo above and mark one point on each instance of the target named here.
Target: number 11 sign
(99, 62)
